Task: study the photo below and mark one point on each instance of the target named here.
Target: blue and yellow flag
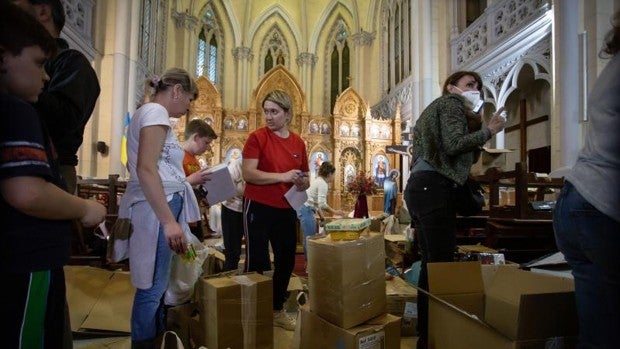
(124, 140)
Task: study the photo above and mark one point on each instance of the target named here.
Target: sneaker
(282, 319)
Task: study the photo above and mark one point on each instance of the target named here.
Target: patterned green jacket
(441, 138)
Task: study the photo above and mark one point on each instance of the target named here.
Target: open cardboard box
(513, 309)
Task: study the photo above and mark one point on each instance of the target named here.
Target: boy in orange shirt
(198, 137)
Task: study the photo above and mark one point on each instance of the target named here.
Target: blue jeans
(590, 242)
(307, 221)
(148, 316)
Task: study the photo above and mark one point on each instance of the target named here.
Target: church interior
(360, 73)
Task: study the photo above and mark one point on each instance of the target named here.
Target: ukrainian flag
(124, 140)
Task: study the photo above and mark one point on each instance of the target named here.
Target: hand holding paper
(295, 197)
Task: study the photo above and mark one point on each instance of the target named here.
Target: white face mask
(474, 98)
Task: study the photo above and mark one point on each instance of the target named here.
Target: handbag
(118, 241)
(469, 198)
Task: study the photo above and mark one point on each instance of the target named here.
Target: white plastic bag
(185, 273)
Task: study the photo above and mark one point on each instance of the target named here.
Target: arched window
(152, 42)
(339, 61)
(274, 50)
(396, 51)
(397, 45)
(473, 10)
(207, 59)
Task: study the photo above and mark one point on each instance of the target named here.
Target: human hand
(198, 177)
(497, 122)
(302, 182)
(290, 176)
(175, 237)
(94, 213)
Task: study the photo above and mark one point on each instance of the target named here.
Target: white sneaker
(282, 319)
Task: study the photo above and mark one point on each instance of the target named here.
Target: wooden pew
(86, 247)
(518, 230)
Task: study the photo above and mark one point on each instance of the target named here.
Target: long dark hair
(474, 120)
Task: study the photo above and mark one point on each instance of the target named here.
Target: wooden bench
(513, 226)
(86, 247)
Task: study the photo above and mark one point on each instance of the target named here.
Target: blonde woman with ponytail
(158, 200)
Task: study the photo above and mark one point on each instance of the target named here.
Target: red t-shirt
(274, 154)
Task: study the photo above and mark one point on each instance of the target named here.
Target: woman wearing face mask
(447, 139)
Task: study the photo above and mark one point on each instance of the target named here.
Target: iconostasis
(351, 138)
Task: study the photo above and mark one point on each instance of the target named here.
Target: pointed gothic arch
(281, 79)
(276, 46)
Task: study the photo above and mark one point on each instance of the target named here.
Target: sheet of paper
(221, 186)
(296, 198)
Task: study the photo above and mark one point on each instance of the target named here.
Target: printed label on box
(411, 310)
(372, 341)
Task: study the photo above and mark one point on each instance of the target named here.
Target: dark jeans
(590, 242)
(264, 225)
(430, 200)
(232, 233)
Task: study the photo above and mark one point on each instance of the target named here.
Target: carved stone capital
(184, 20)
(306, 58)
(243, 52)
(363, 38)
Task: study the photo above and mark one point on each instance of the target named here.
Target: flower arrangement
(362, 184)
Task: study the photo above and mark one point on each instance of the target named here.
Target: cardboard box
(236, 311)
(517, 309)
(382, 332)
(100, 300)
(346, 279)
(402, 300)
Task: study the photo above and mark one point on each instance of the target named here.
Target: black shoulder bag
(469, 198)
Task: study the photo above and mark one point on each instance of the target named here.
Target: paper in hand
(220, 187)
(295, 197)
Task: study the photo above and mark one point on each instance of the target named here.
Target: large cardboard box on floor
(381, 332)
(515, 309)
(346, 279)
(236, 311)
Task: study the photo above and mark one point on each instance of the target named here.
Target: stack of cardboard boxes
(347, 296)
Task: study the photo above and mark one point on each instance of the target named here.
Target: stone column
(188, 25)
(363, 44)
(306, 62)
(243, 56)
(120, 83)
(565, 128)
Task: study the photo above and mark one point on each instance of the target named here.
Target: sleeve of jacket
(70, 96)
(453, 128)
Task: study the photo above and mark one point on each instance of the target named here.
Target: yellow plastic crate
(347, 235)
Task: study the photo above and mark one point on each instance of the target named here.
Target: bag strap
(168, 341)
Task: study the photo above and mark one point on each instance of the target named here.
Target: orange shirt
(190, 164)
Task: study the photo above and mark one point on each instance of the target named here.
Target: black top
(68, 100)
(28, 243)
